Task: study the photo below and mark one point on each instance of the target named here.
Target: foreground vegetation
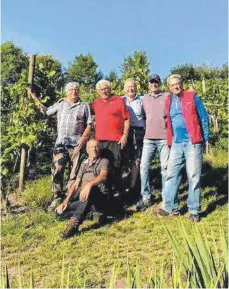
(141, 251)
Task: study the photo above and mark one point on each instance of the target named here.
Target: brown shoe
(71, 229)
(162, 213)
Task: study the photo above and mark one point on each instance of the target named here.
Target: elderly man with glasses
(187, 130)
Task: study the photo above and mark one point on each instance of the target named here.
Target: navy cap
(154, 77)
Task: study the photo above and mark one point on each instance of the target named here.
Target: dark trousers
(131, 156)
(102, 203)
(111, 150)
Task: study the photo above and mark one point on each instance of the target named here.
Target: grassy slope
(31, 238)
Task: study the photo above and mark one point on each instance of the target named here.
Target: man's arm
(45, 110)
(84, 193)
(82, 141)
(37, 100)
(123, 139)
(203, 116)
(126, 117)
(73, 189)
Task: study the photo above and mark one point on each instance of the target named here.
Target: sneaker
(194, 218)
(56, 202)
(142, 205)
(162, 213)
(71, 229)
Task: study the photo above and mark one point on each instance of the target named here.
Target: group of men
(128, 130)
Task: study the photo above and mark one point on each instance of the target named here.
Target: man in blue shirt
(132, 152)
(187, 130)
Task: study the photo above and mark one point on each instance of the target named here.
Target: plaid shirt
(72, 120)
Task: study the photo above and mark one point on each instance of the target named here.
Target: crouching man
(91, 187)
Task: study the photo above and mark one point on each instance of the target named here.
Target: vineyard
(140, 251)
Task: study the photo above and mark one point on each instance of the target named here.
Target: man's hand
(62, 207)
(32, 94)
(123, 141)
(84, 193)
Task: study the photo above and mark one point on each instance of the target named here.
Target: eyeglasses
(105, 88)
(175, 84)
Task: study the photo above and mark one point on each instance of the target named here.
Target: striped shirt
(72, 120)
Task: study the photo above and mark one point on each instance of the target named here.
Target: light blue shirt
(179, 128)
(135, 108)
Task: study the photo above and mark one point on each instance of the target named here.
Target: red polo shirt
(109, 118)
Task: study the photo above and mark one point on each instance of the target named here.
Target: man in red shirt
(112, 126)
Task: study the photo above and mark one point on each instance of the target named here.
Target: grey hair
(129, 80)
(71, 85)
(173, 76)
(102, 81)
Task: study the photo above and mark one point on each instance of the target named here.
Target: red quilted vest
(189, 113)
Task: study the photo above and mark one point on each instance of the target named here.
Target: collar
(110, 99)
(74, 104)
(135, 98)
(94, 161)
(156, 95)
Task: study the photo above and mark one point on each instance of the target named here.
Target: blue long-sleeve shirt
(180, 133)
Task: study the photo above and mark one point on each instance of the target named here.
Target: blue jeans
(181, 154)
(149, 149)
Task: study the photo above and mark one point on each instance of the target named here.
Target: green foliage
(13, 61)
(38, 193)
(115, 83)
(195, 264)
(136, 66)
(192, 73)
(22, 122)
(197, 259)
(19, 127)
(84, 70)
(48, 79)
(5, 283)
(187, 71)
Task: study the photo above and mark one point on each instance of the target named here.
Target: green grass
(118, 254)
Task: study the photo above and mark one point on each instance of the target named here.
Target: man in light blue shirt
(133, 151)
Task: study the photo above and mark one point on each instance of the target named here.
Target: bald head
(93, 148)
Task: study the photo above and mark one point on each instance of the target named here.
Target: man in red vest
(187, 130)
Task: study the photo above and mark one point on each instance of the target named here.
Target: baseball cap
(154, 77)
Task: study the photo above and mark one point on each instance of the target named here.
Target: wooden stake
(24, 148)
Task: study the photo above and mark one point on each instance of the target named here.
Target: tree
(84, 70)
(115, 82)
(49, 79)
(187, 71)
(13, 61)
(22, 123)
(136, 66)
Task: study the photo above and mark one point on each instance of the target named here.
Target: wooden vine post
(24, 147)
